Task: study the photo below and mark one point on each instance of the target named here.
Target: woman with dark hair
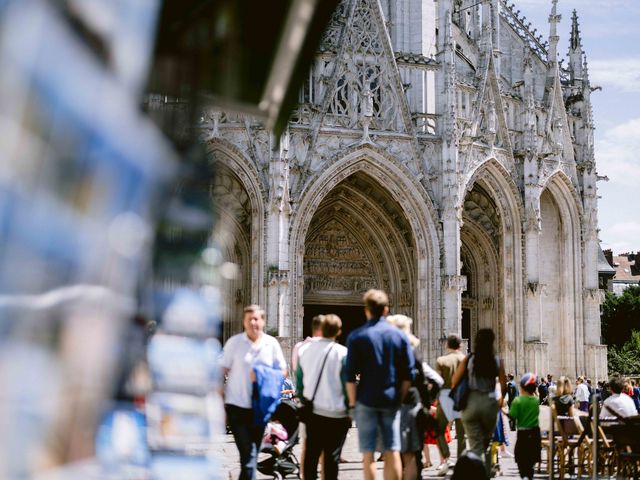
(483, 368)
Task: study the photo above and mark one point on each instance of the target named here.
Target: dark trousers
(527, 451)
(247, 437)
(324, 435)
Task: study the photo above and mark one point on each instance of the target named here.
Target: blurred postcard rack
(104, 273)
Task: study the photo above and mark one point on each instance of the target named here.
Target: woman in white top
(321, 364)
(240, 354)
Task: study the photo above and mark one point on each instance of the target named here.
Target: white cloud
(618, 153)
(630, 229)
(618, 73)
(622, 237)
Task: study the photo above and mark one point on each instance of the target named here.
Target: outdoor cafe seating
(570, 446)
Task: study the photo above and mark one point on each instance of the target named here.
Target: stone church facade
(440, 151)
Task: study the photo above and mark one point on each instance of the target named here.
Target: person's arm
(299, 382)
(225, 372)
(279, 361)
(459, 373)
(351, 394)
(405, 368)
(405, 385)
(225, 362)
(351, 370)
(502, 377)
(343, 382)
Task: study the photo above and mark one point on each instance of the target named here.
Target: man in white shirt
(240, 354)
(618, 404)
(316, 334)
(582, 394)
(321, 372)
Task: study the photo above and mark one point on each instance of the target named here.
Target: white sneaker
(442, 470)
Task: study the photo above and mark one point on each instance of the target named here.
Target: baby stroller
(283, 463)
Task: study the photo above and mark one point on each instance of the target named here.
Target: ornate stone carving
(593, 294)
(488, 303)
(335, 263)
(534, 288)
(454, 282)
(275, 277)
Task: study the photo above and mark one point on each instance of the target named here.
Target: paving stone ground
(352, 469)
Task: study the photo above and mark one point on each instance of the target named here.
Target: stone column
(532, 229)
(450, 186)
(594, 361)
(277, 284)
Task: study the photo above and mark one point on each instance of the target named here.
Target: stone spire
(576, 53)
(554, 19)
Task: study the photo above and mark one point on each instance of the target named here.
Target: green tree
(620, 316)
(625, 360)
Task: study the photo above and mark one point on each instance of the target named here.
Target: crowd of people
(400, 404)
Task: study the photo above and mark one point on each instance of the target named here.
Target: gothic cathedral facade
(440, 151)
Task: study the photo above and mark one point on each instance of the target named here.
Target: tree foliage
(625, 360)
(620, 316)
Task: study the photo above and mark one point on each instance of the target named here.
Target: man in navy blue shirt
(381, 355)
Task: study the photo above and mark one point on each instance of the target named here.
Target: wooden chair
(606, 452)
(626, 437)
(568, 443)
(545, 421)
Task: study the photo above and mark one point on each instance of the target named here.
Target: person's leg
(302, 433)
(392, 465)
(410, 467)
(472, 427)
(314, 445)
(460, 438)
(244, 433)
(367, 422)
(427, 455)
(489, 418)
(441, 425)
(389, 424)
(335, 434)
(369, 466)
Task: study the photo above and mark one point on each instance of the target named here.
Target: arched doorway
(359, 238)
(491, 251)
(560, 277)
(232, 234)
(481, 238)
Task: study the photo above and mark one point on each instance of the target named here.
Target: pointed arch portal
(359, 238)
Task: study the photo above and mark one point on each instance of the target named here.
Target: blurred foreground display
(109, 286)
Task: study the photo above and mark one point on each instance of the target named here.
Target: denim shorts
(378, 428)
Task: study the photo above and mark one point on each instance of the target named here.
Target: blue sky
(610, 31)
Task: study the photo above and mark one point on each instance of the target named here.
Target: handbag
(460, 393)
(305, 411)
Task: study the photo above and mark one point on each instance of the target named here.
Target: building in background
(442, 151)
(626, 271)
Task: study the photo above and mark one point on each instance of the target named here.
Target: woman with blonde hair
(564, 397)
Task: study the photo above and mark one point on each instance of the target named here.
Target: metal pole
(595, 434)
(552, 443)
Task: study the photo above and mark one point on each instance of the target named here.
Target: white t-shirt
(330, 399)
(239, 355)
(582, 393)
(295, 354)
(621, 404)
